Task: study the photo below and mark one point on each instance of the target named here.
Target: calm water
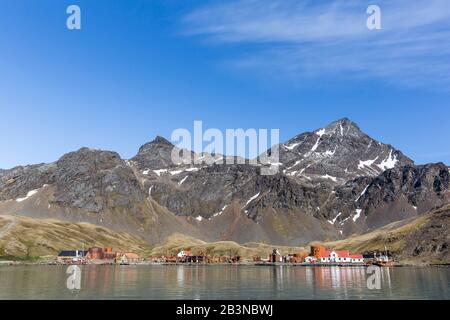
(222, 282)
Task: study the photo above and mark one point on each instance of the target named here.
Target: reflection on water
(223, 282)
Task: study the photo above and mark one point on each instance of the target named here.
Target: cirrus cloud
(306, 39)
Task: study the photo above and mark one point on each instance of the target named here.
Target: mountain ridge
(332, 182)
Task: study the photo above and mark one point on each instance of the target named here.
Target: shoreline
(152, 264)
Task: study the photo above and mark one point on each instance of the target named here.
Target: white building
(183, 254)
(340, 256)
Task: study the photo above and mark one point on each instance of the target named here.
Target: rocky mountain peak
(158, 142)
(161, 141)
(94, 180)
(343, 127)
(154, 155)
(338, 152)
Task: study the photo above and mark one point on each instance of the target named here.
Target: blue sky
(140, 68)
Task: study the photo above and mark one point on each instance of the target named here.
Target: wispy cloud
(317, 39)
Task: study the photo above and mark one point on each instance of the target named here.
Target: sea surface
(224, 282)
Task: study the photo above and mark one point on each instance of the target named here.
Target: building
(297, 257)
(184, 254)
(318, 251)
(71, 256)
(275, 256)
(321, 255)
(310, 259)
(108, 254)
(357, 258)
(96, 253)
(127, 258)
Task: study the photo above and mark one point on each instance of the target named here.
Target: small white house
(183, 254)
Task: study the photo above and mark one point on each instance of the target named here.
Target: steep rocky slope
(88, 185)
(424, 239)
(331, 183)
(396, 194)
(362, 184)
(338, 152)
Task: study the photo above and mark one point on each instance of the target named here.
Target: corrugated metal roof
(72, 253)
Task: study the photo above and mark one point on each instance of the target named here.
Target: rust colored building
(96, 253)
(318, 251)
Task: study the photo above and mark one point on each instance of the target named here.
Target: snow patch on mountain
(292, 146)
(368, 163)
(362, 193)
(29, 195)
(321, 132)
(251, 199)
(220, 212)
(389, 162)
(160, 171)
(329, 177)
(335, 219)
(330, 153)
(357, 215)
(182, 181)
(294, 165)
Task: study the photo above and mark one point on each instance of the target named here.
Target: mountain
(88, 185)
(333, 182)
(338, 152)
(360, 185)
(400, 193)
(419, 240)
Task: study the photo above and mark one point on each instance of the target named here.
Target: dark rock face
(337, 174)
(94, 180)
(338, 152)
(431, 242)
(395, 194)
(206, 191)
(155, 155)
(419, 184)
(281, 192)
(334, 181)
(17, 182)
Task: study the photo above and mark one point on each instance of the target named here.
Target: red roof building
(339, 256)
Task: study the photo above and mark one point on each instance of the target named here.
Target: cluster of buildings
(97, 255)
(318, 255)
(186, 256)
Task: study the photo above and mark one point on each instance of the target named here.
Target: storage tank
(317, 250)
(96, 253)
